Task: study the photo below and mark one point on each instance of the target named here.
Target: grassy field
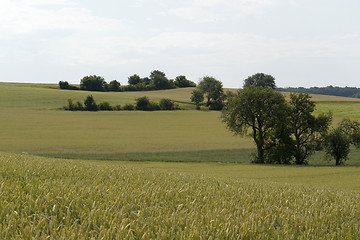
(45, 198)
(179, 176)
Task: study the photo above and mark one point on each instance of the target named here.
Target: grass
(179, 176)
(26, 96)
(114, 132)
(239, 156)
(44, 198)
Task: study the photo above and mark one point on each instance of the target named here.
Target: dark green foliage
(79, 106)
(142, 103)
(117, 107)
(129, 107)
(260, 110)
(90, 104)
(214, 92)
(337, 142)
(114, 86)
(134, 79)
(337, 145)
(105, 106)
(160, 81)
(166, 104)
(260, 80)
(93, 83)
(197, 97)
(182, 82)
(329, 90)
(306, 128)
(64, 85)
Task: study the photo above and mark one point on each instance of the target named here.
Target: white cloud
(210, 10)
(28, 17)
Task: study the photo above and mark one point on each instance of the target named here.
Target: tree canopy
(260, 80)
(258, 110)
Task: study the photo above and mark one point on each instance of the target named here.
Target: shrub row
(142, 104)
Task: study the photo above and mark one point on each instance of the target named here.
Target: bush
(90, 104)
(64, 85)
(166, 104)
(129, 107)
(117, 107)
(105, 106)
(142, 103)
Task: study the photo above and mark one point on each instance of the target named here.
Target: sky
(301, 43)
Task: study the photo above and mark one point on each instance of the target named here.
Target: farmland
(181, 175)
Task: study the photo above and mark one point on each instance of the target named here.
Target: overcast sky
(299, 42)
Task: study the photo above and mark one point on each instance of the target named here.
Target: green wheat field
(159, 175)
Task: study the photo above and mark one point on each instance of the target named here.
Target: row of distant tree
(141, 103)
(329, 90)
(156, 81)
(286, 132)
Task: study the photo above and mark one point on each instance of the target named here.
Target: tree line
(141, 103)
(329, 90)
(286, 132)
(156, 81)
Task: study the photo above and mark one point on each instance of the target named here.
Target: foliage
(66, 85)
(114, 86)
(260, 80)
(329, 90)
(182, 82)
(92, 83)
(213, 89)
(197, 97)
(306, 129)
(129, 107)
(259, 109)
(105, 106)
(160, 81)
(144, 104)
(337, 145)
(134, 79)
(166, 104)
(337, 142)
(90, 104)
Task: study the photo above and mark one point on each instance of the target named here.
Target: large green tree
(306, 128)
(256, 112)
(260, 80)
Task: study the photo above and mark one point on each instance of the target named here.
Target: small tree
(105, 106)
(260, 80)
(337, 142)
(90, 104)
(166, 104)
(64, 85)
(214, 92)
(142, 103)
(197, 97)
(128, 107)
(337, 145)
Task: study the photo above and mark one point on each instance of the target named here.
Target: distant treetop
(260, 80)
